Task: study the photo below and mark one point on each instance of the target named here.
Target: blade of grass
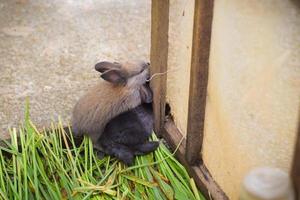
(2, 183)
(14, 159)
(24, 162)
(8, 178)
(140, 181)
(166, 188)
(2, 194)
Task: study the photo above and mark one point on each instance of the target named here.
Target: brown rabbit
(121, 91)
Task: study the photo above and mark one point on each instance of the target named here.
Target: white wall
(180, 48)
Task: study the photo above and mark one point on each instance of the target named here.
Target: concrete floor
(48, 50)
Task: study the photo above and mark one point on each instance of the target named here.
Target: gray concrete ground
(48, 49)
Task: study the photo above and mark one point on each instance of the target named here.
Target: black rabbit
(127, 134)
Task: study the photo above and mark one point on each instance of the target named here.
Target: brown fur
(107, 100)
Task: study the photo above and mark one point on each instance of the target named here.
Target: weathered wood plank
(199, 172)
(159, 58)
(198, 78)
(296, 164)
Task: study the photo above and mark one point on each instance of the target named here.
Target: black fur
(127, 134)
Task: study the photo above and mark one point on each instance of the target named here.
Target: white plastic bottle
(267, 183)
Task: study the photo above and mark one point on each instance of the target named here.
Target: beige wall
(180, 44)
(254, 88)
(254, 84)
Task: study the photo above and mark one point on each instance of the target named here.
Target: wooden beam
(296, 164)
(199, 172)
(159, 59)
(203, 15)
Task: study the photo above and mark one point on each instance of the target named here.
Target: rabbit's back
(99, 105)
(130, 128)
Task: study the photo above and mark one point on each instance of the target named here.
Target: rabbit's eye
(144, 66)
(142, 70)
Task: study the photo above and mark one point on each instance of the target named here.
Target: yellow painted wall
(254, 84)
(254, 88)
(180, 44)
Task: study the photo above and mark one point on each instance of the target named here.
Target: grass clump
(40, 165)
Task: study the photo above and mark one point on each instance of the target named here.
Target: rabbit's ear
(104, 66)
(146, 94)
(115, 76)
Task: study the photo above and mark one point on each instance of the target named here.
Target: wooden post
(159, 59)
(296, 164)
(198, 79)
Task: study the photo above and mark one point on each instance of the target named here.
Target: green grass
(45, 166)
